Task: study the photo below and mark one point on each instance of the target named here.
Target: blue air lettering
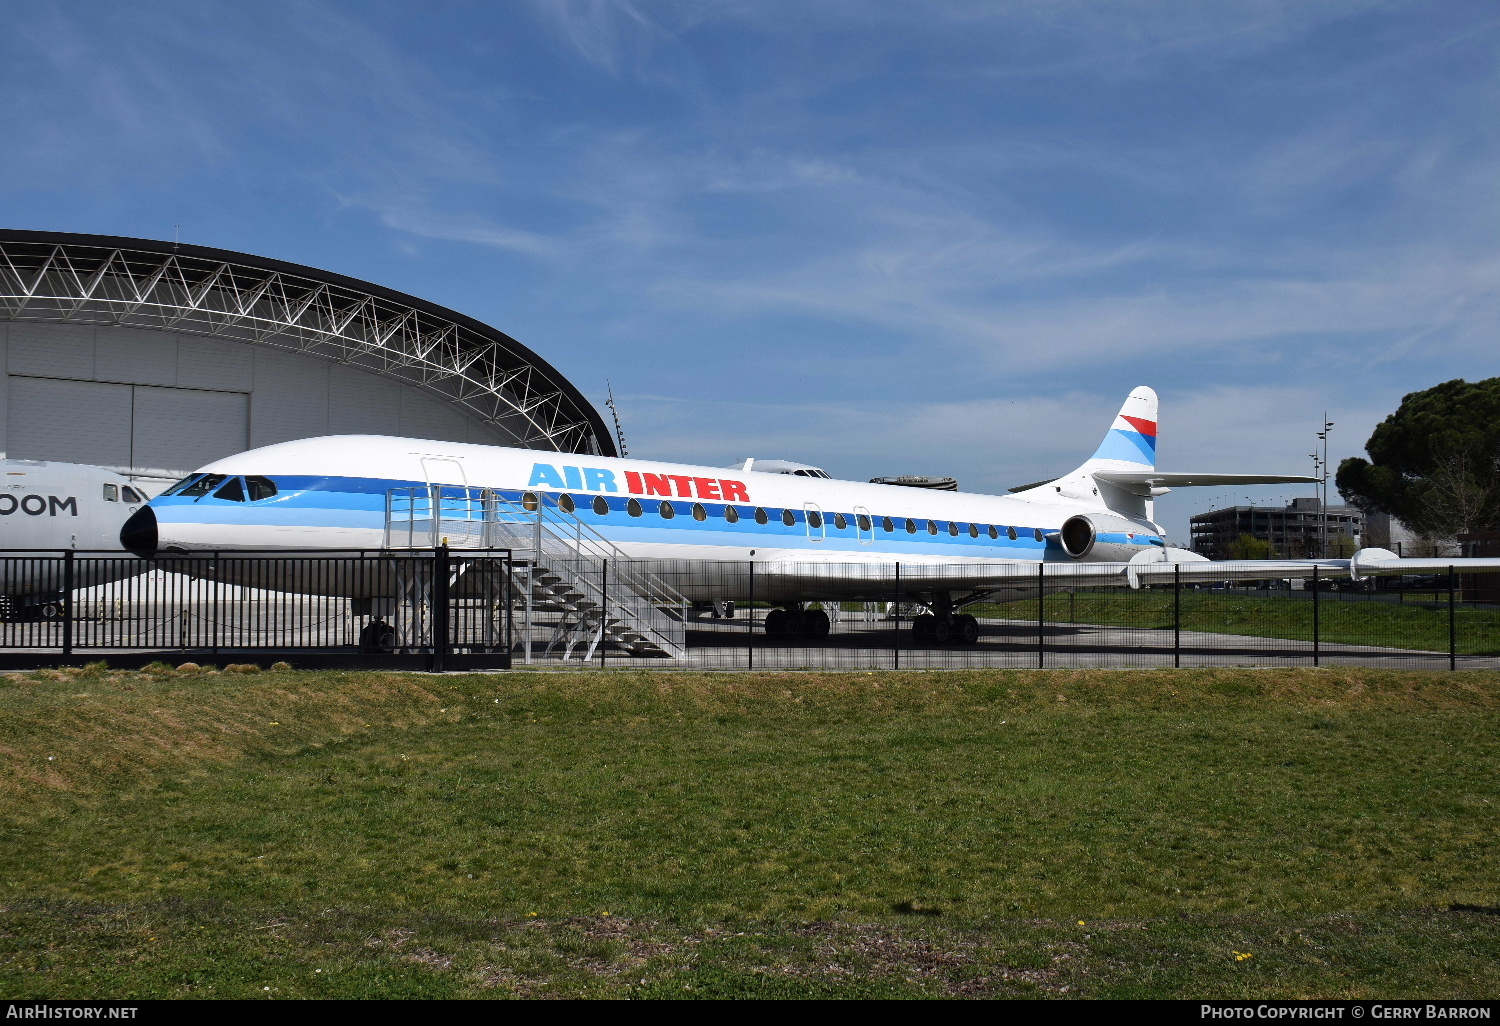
(591, 479)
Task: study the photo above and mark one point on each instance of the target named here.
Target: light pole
(1317, 492)
(1323, 505)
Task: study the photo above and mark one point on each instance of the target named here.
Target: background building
(1295, 531)
(152, 359)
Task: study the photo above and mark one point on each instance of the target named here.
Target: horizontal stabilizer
(1159, 479)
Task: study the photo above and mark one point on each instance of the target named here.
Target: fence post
(439, 619)
(1452, 625)
(1176, 614)
(750, 624)
(1317, 640)
(510, 613)
(1041, 616)
(603, 606)
(896, 621)
(67, 604)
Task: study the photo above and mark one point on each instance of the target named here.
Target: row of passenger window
(815, 519)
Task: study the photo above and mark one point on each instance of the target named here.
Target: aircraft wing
(875, 579)
(1159, 479)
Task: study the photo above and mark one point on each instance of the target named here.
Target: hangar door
(143, 427)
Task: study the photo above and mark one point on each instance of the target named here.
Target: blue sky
(879, 237)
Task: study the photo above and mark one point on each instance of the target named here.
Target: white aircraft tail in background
(1122, 477)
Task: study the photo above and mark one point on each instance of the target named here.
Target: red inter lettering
(657, 484)
(708, 488)
(734, 490)
(684, 485)
(633, 482)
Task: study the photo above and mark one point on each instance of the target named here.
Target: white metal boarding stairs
(559, 565)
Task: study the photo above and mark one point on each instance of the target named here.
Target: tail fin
(1129, 445)
(1132, 437)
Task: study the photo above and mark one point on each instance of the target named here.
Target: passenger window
(911, 526)
(863, 521)
(1037, 534)
(886, 525)
(953, 528)
(994, 532)
(699, 513)
(111, 493)
(666, 510)
(1010, 532)
(566, 503)
(761, 517)
(530, 503)
(601, 506)
(973, 530)
(633, 507)
(931, 527)
(814, 519)
(259, 488)
(232, 490)
(731, 514)
(839, 522)
(202, 486)
(788, 518)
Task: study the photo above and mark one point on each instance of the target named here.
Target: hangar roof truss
(140, 283)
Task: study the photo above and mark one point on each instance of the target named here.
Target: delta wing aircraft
(809, 537)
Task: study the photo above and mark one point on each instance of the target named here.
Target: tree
(1434, 463)
(1247, 546)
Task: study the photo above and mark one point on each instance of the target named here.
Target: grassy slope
(926, 833)
(1349, 622)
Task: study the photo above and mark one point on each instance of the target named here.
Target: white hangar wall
(155, 405)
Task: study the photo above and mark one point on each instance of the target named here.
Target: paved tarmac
(859, 644)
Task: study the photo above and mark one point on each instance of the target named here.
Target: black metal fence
(418, 609)
(468, 609)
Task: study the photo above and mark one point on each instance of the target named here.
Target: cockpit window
(202, 486)
(260, 488)
(232, 490)
(111, 493)
(131, 495)
(180, 485)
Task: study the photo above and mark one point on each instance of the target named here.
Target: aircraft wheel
(924, 627)
(776, 623)
(815, 624)
(51, 611)
(943, 632)
(966, 629)
(729, 610)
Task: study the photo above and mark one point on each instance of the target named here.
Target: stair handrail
(640, 599)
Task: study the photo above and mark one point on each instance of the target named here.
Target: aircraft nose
(139, 533)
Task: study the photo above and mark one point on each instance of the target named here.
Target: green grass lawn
(1186, 833)
(1350, 621)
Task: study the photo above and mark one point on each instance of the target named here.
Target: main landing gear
(943, 626)
(956, 629)
(796, 622)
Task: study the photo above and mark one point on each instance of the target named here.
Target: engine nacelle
(1104, 538)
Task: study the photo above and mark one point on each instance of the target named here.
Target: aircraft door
(457, 516)
(814, 517)
(864, 526)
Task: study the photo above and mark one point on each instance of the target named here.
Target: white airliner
(54, 506)
(809, 537)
